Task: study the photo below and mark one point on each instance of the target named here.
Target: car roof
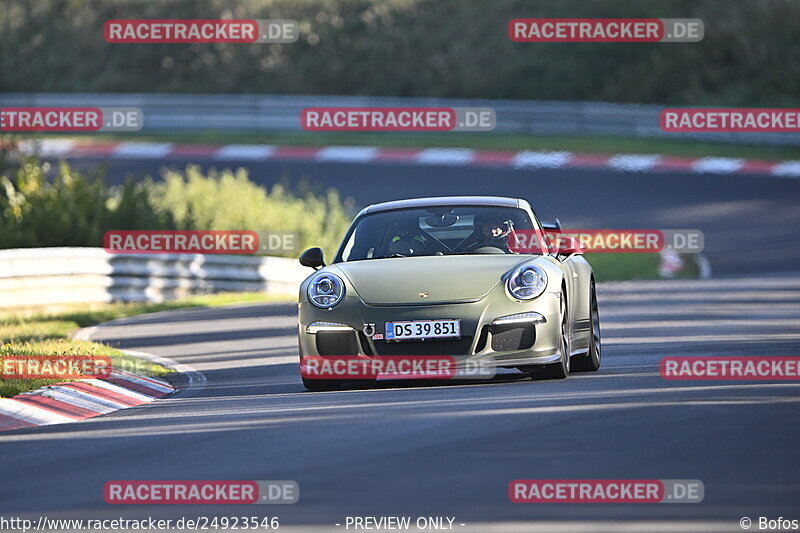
(497, 201)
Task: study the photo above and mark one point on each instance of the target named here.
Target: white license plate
(423, 329)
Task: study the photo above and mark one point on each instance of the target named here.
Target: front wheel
(591, 361)
(558, 370)
(321, 385)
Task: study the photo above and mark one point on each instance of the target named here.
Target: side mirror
(570, 246)
(312, 258)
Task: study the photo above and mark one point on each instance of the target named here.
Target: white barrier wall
(44, 276)
(281, 113)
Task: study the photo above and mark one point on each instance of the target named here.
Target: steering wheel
(484, 248)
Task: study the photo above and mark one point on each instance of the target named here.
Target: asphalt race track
(452, 449)
(448, 450)
(750, 221)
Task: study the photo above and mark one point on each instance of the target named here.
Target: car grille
(429, 347)
(512, 337)
(338, 343)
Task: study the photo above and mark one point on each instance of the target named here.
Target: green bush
(71, 209)
(229, 200)
(426, 48)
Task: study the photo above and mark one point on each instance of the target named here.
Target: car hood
(446, 279)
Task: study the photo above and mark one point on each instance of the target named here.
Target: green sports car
(437, 277)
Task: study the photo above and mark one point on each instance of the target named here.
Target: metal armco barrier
(48, 276)
(281, 113)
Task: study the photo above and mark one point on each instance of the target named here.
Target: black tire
(559, 370)
(321, 385)
(591, 361)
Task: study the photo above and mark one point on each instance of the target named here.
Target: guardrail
(48, 276)
(281, 113)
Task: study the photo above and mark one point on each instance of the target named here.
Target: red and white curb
(70, 402)
(69, 148)
(79, 400)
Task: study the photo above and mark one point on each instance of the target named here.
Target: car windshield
(438, 230)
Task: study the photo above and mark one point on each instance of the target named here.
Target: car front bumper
(341, 330)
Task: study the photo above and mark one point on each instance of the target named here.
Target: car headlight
(526, 282)
(325, 290)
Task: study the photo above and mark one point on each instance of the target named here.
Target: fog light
(520, 318)
(316, 327)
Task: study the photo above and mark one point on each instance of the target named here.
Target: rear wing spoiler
(555, 224)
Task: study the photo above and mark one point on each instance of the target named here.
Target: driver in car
(490, 231)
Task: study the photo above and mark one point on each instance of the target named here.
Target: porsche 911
(438, 277)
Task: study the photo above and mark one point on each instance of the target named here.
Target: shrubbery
(72, 209)
(426, 48)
